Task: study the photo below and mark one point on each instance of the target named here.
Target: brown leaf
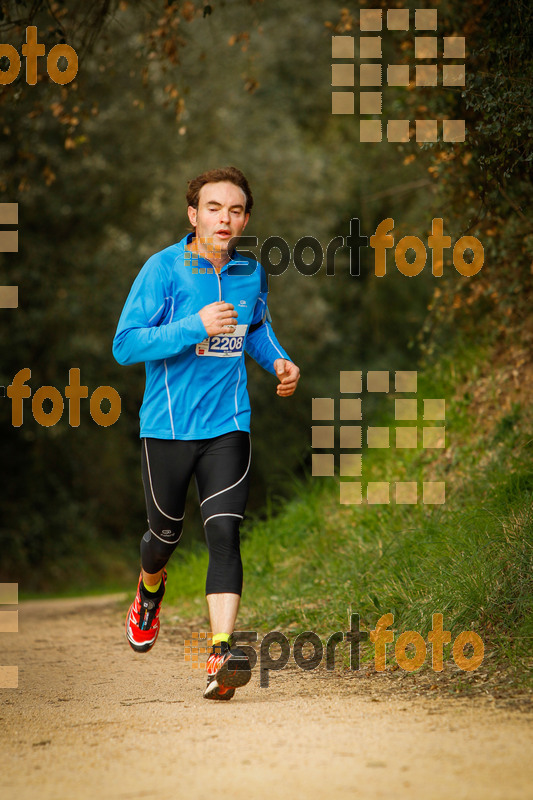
(49, 176)
(188, 11)
(251, 85)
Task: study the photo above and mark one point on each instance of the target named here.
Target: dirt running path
(91, 719)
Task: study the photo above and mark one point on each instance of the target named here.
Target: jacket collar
(188, 239)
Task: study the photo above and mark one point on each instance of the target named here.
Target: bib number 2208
(223, 345)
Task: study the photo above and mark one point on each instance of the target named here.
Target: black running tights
(221, 467)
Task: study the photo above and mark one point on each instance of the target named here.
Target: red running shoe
(228, 668)
(142, 622)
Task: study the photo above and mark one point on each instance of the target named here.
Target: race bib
(223, 345)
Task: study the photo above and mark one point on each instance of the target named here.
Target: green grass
(311, 562)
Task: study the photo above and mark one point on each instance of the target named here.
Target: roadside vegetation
(99, 169)
(315, 561)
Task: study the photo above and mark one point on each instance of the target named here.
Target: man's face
(220, 215)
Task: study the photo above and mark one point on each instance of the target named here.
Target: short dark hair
(230, 174)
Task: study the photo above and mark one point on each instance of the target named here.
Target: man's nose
(224, 215)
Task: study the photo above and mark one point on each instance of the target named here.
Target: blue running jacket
(195, 384)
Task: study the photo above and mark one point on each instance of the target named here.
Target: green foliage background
(99, 169)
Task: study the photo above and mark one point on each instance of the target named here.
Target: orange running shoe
(228, 668)
(142, 622)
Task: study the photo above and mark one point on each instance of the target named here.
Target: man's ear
(192, 213)
(246, 218)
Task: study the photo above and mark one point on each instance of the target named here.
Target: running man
(190, 316)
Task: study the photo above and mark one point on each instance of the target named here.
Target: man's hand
(218, 318)
(288, 374)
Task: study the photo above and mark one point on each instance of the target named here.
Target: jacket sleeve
(140, 336)
(261, 342)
